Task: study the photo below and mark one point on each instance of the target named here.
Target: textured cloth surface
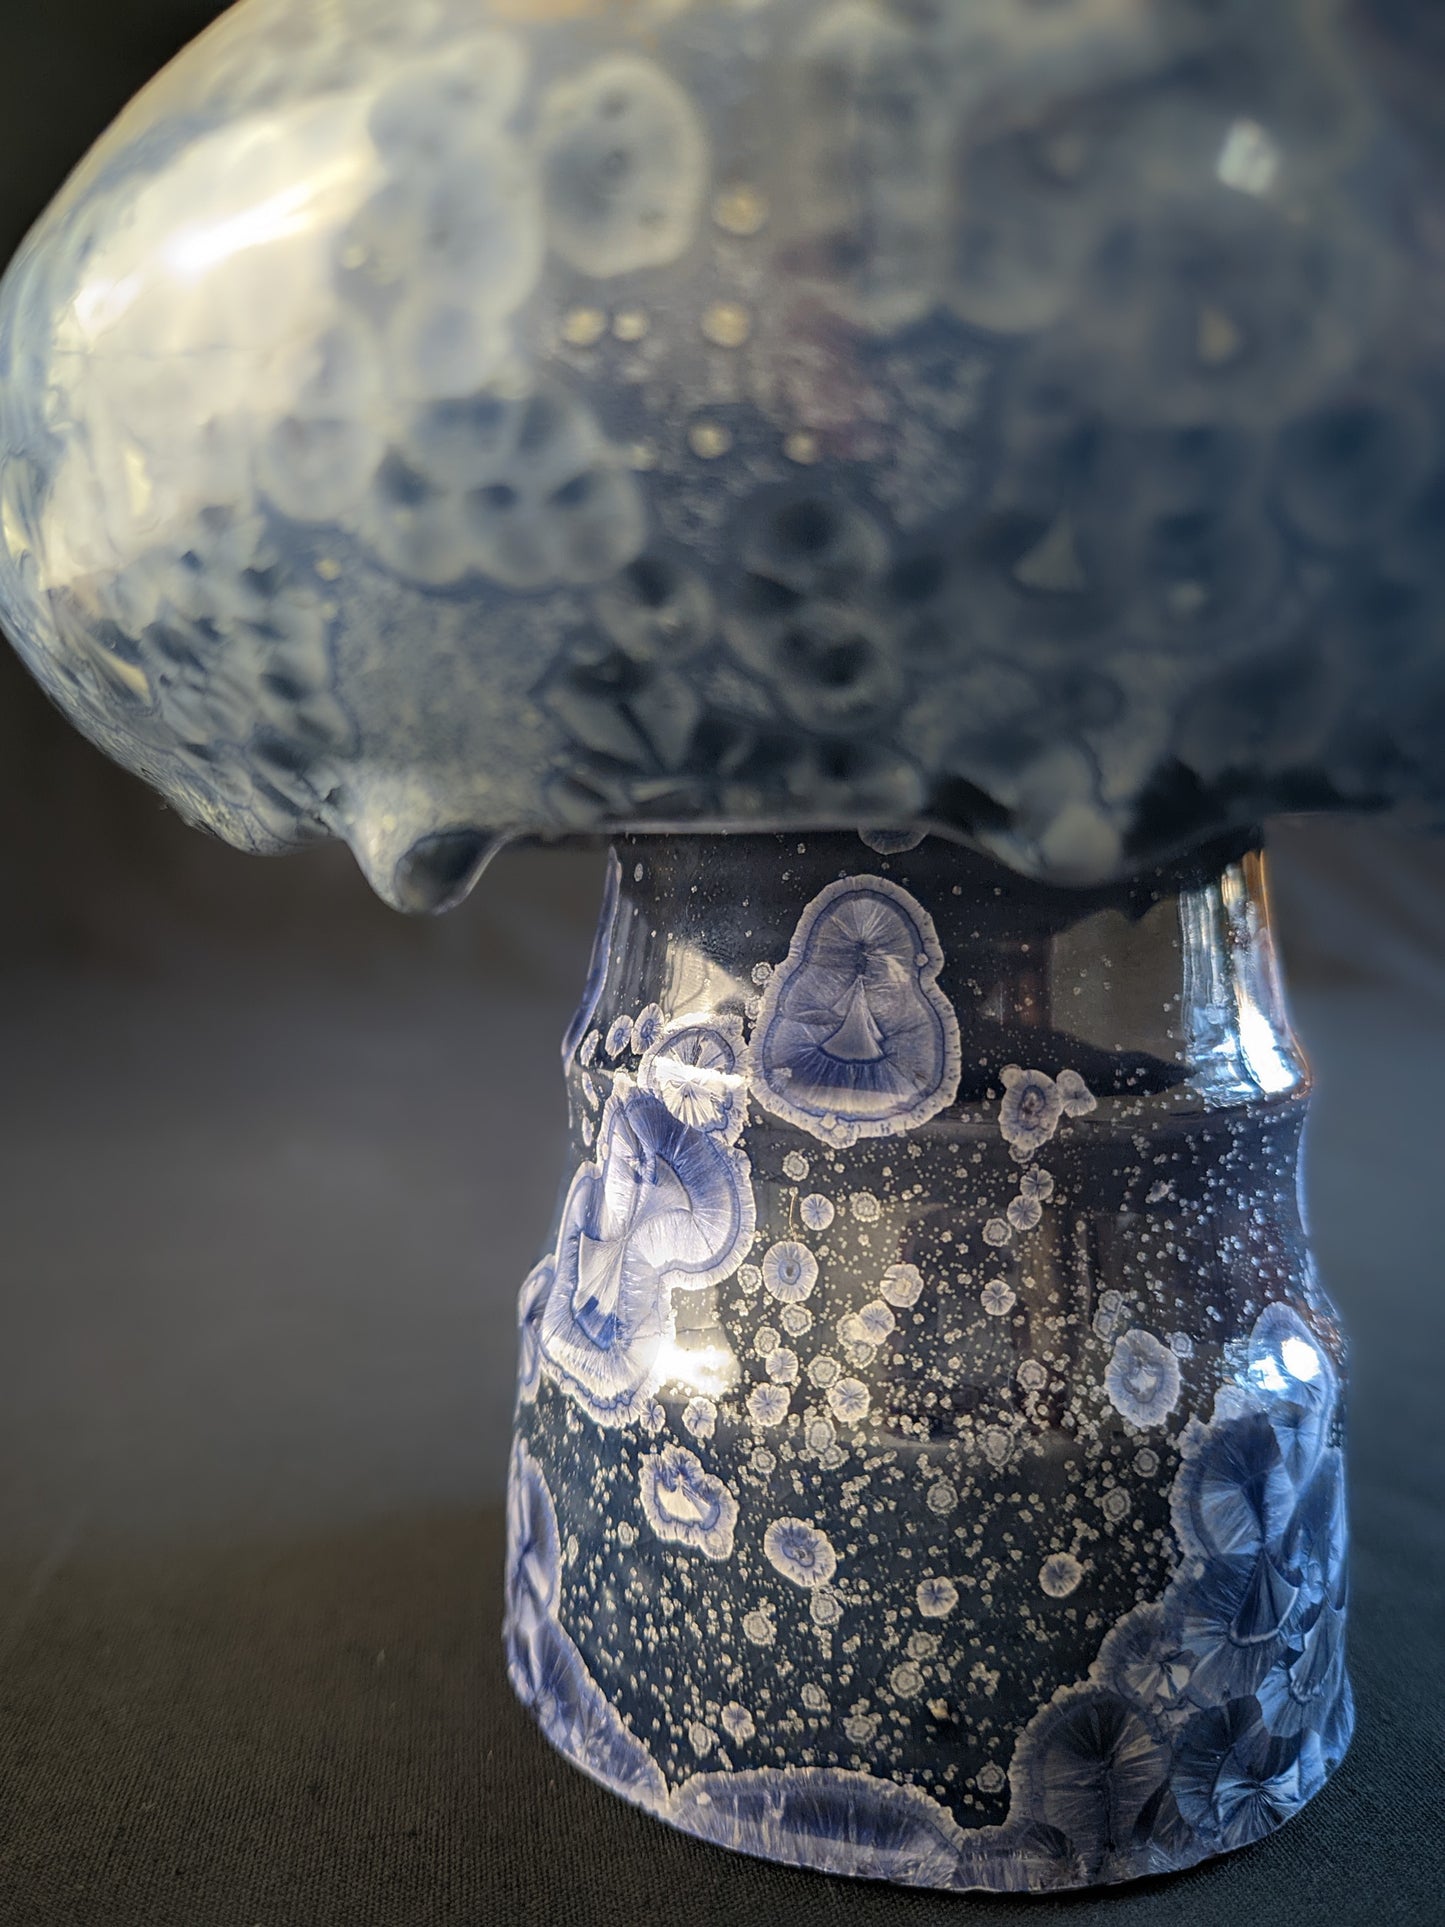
(255, 1352)
(321, 1731)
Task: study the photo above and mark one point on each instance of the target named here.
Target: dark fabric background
(272, 1162)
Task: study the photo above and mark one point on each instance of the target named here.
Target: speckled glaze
(947, 1493)
(429, 423)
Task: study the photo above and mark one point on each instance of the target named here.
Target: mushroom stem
(928, 1375)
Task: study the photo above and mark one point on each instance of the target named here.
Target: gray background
(272, 1163)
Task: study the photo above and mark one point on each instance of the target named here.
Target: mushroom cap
(428, 424)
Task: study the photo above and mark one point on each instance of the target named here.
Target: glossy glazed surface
(951, 1494)
(421, 424)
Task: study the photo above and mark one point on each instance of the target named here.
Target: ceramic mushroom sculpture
(925, 478)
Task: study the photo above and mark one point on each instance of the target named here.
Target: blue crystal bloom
(1235, 1495)
(1233, 1781)
(546, 1669)
(685, 1504)
(1231, 1619)
(824, 1817)
(663, 1206)
(854, 1038)
(1088, 1766)
(1142, 1379)
(697, 1071)
(607, 1314)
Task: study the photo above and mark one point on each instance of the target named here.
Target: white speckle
(782, 1366)
(1142, 1378)
(790, 1271)
(902, 1285)
(740, 210)
(906, 1681)
(646, 1028)
(936, 1598)
(1075, 1096)
(758, 1627)
(825, 1607)
(800, 1552)
(1031, 1108)
(1060, 1574)
(768, 1404)
(877, 1321)
(709, 439)
(583, 327)
(1249, 159)
(1024, 1213)
(737, 1722)
(816, 1211)
(849, 1400)
(700, 1418)
(727, 324)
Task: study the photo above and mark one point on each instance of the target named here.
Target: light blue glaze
(430, 423)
